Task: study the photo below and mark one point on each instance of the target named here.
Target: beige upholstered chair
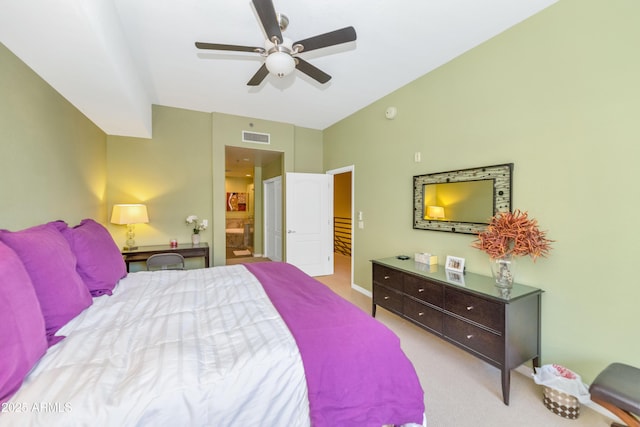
(168, 261)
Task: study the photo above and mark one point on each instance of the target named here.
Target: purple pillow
(51, 265)
(100, 263)
(22, 334)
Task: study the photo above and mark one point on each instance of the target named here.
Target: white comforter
(199, 347)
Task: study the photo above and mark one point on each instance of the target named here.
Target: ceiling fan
(280, 52)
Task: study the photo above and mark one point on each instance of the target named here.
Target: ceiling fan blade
(259, 76)
(311, 71)
(343, 35)
(268, 18)
(218, 46)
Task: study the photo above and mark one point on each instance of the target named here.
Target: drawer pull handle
(469, 336)
(386, 277)
(421, 290)
(421, 313)
(386, 298)
(469, 307)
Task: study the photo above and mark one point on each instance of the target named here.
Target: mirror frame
(502, 183)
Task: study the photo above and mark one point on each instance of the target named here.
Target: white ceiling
(113, 59)
(240, 162)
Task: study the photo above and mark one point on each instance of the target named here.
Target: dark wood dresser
(498, 326)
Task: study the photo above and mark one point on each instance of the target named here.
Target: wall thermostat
(391, 113)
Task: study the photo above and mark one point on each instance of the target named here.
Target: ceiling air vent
(256, 137)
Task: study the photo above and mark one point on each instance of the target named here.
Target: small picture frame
(455, 277)
(454, 264)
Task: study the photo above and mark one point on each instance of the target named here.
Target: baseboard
(361, 290)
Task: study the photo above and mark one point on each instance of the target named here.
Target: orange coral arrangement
(513, 234)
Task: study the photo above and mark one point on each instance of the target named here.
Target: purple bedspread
(357, 374)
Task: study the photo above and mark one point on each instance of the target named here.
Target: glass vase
(502, 270)
(195, 239)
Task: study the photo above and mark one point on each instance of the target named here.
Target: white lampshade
(129, 214)
(435, 212)
(280, 64)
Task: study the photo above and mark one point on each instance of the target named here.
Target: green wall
(308, 151)
(559, 96)
(180, 171)
(170, 173)
(52, 158)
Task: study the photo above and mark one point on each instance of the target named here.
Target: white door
(309, 207)
(273, 218)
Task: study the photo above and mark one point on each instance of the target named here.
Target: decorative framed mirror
(461, 201)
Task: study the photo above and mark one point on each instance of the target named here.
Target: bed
(254, 344)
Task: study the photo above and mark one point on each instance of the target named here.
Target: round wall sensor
(391, 113)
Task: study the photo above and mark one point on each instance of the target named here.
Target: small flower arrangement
(515, 234)
(192, 220)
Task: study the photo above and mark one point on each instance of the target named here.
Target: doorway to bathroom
(244, 169)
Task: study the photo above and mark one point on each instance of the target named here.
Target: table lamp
(436, 212)
(130, 215)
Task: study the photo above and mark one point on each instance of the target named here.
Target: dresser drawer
(427, 291)
(387, 298)
(423, 314)
(484, 312)
(480, 340)
(388, 277)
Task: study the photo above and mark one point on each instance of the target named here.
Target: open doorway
(343, 197)
(239, 217)
(245, 169)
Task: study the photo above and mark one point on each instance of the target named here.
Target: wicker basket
(561, 403)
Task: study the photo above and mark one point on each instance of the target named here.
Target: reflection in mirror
(433, 212)
(466, 201)
(461, 201)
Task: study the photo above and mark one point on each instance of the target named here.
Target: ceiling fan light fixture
(280, 63)
(281, 53)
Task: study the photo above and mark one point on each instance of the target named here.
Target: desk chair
(168, 261)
